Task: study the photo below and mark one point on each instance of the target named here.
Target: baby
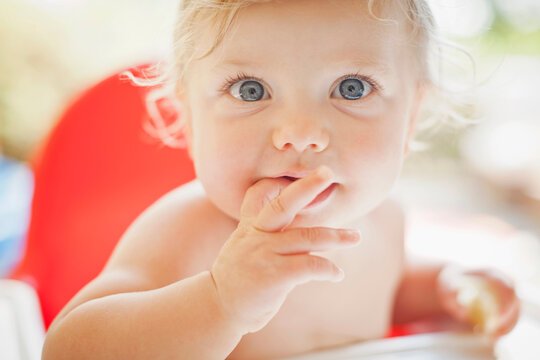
(298, 115)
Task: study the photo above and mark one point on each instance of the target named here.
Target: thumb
(260, 194)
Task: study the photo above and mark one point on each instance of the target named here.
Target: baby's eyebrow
(238, 63)
(378, 67)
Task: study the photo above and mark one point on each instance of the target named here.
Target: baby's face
(298, 84)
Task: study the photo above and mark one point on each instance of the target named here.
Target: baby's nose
(300, 136)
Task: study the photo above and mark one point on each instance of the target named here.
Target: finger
(453, 307)
(302, 240)
(509, 319)
(499, 278)
(447, 292)
(305, 268)
(282, 209)
(502, 287)
(260, 194)
(495, 308)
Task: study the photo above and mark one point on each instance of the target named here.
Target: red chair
(96, 171)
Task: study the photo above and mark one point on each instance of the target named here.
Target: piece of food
(482, 302)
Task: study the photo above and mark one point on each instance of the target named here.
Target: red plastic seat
(94, 174)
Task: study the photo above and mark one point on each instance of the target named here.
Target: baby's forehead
(319, 30)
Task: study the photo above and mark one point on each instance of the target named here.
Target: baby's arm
(182, 320)
(137, 309)
(483, 300)
(153, 299)
(416, 297)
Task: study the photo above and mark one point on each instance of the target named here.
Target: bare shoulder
(180, 234)
(169, 241)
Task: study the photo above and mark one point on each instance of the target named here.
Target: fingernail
(351, 235)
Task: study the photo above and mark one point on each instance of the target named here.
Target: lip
(296, 174)
(323, 196)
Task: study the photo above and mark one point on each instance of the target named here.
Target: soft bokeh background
(473, 196)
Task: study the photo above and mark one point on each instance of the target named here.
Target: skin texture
(224, 267)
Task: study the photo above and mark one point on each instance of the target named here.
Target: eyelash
(230, 81)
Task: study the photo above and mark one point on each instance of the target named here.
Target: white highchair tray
(439, 346)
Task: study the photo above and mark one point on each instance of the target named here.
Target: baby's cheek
(376, 156)
(373, 172)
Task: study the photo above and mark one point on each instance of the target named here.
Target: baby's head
(272, 88)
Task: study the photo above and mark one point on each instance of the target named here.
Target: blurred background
(473, 194)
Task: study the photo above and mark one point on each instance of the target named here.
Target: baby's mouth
(290, 178)
(323, 195)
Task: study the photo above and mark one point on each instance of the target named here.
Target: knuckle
(247, 237)
(317, 265)
(242, 230)
(241, 233)
(277, 205)
(309, 234)
(263, 248)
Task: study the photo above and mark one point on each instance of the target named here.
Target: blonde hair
(166, 78)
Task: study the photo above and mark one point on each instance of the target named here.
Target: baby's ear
(413, 117)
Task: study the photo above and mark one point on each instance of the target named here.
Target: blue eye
(354, 89)
(248, 90)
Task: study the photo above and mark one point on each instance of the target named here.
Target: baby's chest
(323, 314)
(357, 308)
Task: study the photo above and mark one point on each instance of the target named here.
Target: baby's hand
(261, 263)
(484, 299)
